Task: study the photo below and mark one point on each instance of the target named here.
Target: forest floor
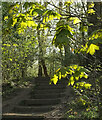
(19, 94)
(70, 107)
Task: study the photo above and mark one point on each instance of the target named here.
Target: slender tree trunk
(40, 71)
(43, 51)
(40, 55)
(41, 61)
(44, 67)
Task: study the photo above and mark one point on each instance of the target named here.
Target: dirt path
(14, 99)
(23, 93)
(9, 105)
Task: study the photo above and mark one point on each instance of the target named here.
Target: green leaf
(68, 2)
(92, 49)
(55, 79)
(39, 11)
(10, 59)
(76, 20)
(50, 15)
(71, 80)
(59, 75)
(6, 18)
(82, 74)
(62, 37)
(91, 5)
(97, 34)
(87, 85)
(91, 11)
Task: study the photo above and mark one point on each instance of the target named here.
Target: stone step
(46, 96)
(42, 82)
(48, 81)
(14, 116)
(49, 87)
(42, 79)
(47, 84)
(44, 91)
(32, 109)
(40, 102)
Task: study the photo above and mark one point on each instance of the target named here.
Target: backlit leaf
(71, 80)
(55, 79)
(91, 11)
(92, 49)
(87, 85)
(91, 5)
(76, 20)
(59, 75)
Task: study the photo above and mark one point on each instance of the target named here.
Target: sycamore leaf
(64, 76)
(77, 78)
(55, 79)
(92, 49)
(10, 59)
(6, 18)
(14, 21)
(96, 34)
(75, 66)
(15, 45)
(87, 85)
(81, 84)
(76, 20)
(31, 24)
(91, 11)
(91, 5)
(82, 74)
(39, 11)
(68, 2)
(71, 80)
(84, 48)
(23, 24)
(86, 76)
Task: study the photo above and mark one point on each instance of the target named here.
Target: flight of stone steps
(43, 98)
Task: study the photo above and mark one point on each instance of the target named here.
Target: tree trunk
(44, 68)
(40, 55)
(40, 71)
(43, 51)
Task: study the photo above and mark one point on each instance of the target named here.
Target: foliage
(63, 34)
(75, 72)
(77, 110)
(29, 29)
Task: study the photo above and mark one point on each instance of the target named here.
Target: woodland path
(46, 102)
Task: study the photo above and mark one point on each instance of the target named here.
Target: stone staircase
(42, 99)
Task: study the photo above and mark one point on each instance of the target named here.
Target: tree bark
(44, 68)
(40, 54)
(41, 61)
